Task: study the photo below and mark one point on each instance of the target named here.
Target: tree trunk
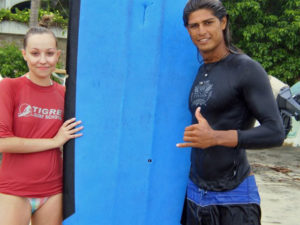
(34, 13)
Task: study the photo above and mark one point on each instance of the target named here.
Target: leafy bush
(12, 63)
(24, 15)
(58, 19)
(20, 16)
(269, 32)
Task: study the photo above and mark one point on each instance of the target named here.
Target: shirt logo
(201, 93)
(26, 110)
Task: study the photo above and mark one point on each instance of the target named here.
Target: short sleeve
(6, 107)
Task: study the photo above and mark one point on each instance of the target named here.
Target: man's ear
(188, 30)
(224, 22)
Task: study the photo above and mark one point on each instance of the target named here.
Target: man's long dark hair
(218, 10)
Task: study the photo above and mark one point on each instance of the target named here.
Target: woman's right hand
(67, 131)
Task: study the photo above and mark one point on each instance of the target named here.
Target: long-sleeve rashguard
(232, 93)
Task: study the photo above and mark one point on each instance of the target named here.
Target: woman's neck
(41, 82)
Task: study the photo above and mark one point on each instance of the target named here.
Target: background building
(11, 4)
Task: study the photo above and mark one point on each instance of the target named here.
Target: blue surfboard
(131, 65)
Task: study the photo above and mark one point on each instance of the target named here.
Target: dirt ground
(277, 174)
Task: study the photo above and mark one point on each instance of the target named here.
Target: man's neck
(215, 56)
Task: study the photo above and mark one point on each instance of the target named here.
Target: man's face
(206, 31)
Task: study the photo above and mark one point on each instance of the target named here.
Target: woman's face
(41, 56)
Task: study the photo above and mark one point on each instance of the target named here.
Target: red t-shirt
(31, 111)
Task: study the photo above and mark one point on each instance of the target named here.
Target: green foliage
(12, 63)
(23, 16)
(269, 32)
(58, 19)
(61, 5)
(20, 16)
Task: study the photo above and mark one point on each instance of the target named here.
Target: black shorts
(240, 214)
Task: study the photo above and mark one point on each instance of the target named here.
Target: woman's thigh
(49, 213)
(14, 210)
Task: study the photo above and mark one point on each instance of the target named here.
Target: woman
(31, 134)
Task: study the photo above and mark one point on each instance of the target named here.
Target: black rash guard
(232, 93)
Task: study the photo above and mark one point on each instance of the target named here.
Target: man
(230, 91)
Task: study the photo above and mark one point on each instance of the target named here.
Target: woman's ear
(24, 54)
(58, 53)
